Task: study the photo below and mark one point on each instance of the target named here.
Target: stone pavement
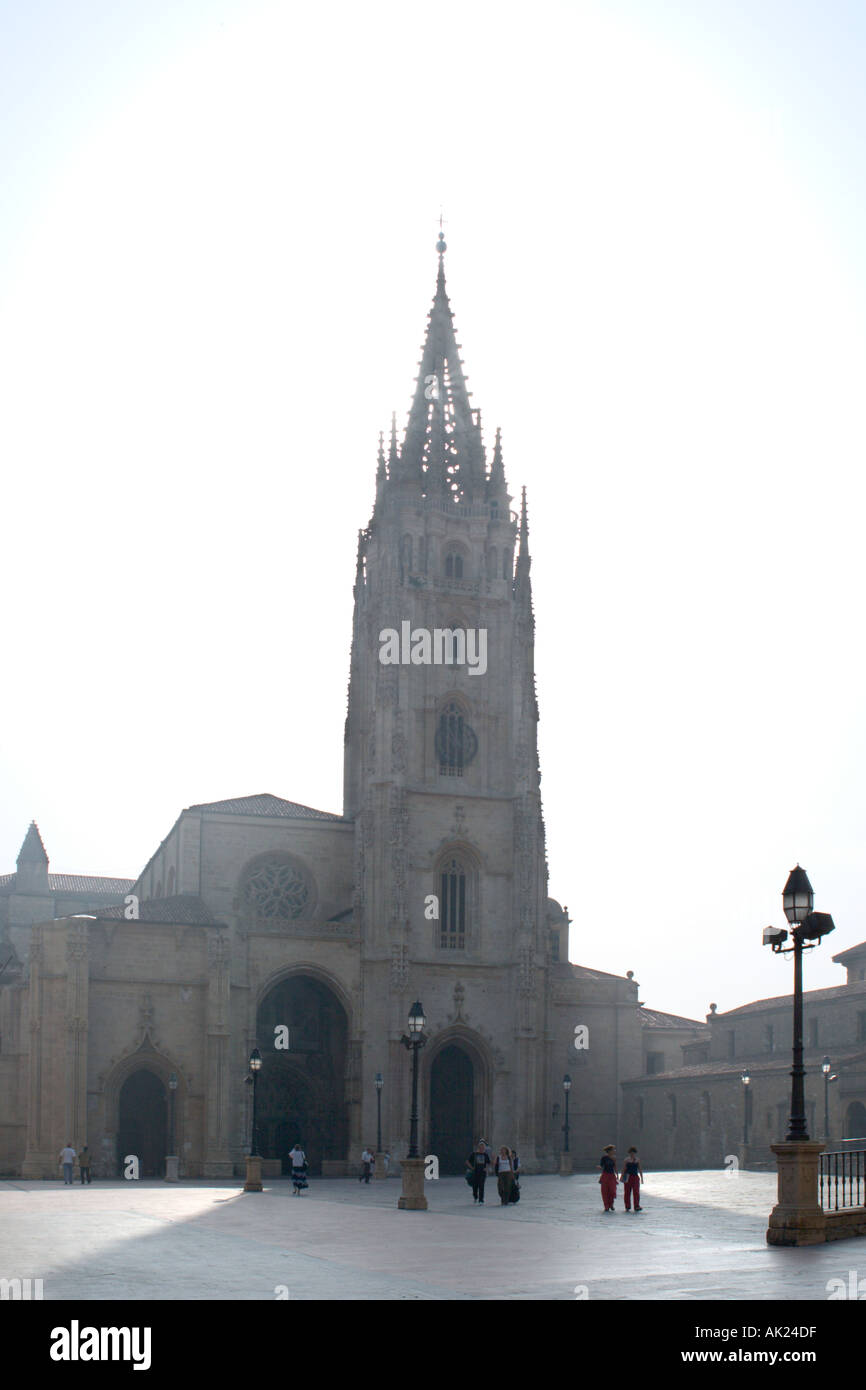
(701, 1236)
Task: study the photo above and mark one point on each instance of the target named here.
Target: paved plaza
(701, 1236)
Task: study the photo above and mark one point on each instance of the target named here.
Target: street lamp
(565, 1156)
(746, 1078)
(171, 1162)
(254, 1162)
(412, 1197)
(807, 928)
(828, 1081)
(379, 1082)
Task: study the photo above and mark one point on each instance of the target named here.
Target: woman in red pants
(608, 1179)
(632, 1177)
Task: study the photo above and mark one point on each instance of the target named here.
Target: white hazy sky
(216, 259)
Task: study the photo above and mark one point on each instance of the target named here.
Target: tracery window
(453, 910)
(456, 742)
(277, 889)
(453, 565)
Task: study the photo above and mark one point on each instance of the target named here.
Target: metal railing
(842, 1179)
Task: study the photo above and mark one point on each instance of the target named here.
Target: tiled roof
(87, 884)
(654, 1019)
(185, 910)
(851, 953)
(264, 804)
(583, 972)
(810, 996)
(780, 1062)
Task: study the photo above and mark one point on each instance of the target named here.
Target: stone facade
(259, 922)
(697, 1112)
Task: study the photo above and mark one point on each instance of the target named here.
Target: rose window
(277, 890)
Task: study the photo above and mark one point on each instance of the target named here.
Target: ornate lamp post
(412, 1198)
(826, 1066)
(746, 1078)
(565, 1156)
(254, 1162)
(380, 1157)
(797, 1219)
(171, 1161)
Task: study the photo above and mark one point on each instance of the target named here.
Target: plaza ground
(701, 1236)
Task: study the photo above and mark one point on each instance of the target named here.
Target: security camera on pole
(797, 1218)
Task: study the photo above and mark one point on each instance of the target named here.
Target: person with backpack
(504, 1174)
(298, 1161)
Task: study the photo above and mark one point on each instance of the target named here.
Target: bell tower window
(456, 742)
(452, 923)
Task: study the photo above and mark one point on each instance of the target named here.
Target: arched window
(506, 563)
(492, 557)
(453, 893)
(170, 889)
(707, 1109)
(406, 556)
(453, 565)
(158, 893)
(456, 743)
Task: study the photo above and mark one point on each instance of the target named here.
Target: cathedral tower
(441, 763)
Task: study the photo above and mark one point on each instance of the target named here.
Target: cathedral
(129, 1010)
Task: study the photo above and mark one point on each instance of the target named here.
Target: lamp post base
(172, 1163)
(565, 1165)
(254, 1174)
(413, 1198)
(797, 1219)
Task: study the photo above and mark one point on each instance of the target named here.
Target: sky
(217, 233)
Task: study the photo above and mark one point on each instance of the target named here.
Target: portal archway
(855, 1120)
(452, 1108)
(142, 1122)
(301, 1088)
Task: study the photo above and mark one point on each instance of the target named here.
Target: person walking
(387, 1161)
(515, 1168)
(84, 1165)
(367, 1161)
(298, 1160)
(632, 1177)
(478, 1163)
(608, 1179)
(67, 1158)
(504, 1174)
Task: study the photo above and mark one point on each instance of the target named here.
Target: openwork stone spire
(442, 449)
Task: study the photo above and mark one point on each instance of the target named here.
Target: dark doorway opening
(855, 1120)
(301, 1087)
(142, 1127)
(452, 1100)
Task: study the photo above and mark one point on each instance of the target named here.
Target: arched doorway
(855, 1120)
(452, 1108)
(142, 1127)
(301, 1087)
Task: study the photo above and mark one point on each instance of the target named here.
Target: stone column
(412, 1198)
(217, 1163)
(77, 982)
(797, 1219)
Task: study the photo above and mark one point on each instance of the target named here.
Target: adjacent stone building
(128, 1010)
(695, 1111)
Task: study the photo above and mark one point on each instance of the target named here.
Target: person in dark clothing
(608, 1179)
(632, 1177)
(478, 1163)
(84, 1165)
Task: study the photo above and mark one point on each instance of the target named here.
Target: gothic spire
(442, 446)
(32, 850)
(522, 582)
